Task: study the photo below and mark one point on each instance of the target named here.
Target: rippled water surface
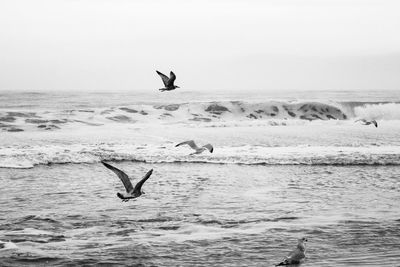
(201, 215)
(284, 167)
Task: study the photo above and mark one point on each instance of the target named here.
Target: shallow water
(201, 214)
(283, 167)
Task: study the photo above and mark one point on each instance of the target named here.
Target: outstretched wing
(191, 143)
(171, 80)
(124, 178)
(164, 78)
(375, 123)
(209, 147)
(139, 185)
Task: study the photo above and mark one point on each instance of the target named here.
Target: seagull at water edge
(297, 255)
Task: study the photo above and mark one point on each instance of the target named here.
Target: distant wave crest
(275, 113)
(379, 111)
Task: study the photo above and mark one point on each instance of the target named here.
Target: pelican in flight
(365, 122)
(131, 192)
(198, 150)
(297, 255)
(168, 82)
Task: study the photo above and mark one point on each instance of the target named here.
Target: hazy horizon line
(80, 90)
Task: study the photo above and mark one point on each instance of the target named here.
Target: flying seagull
(168, 82)
(297, 255)
(365, 122)
(199, 150)
(131, 192)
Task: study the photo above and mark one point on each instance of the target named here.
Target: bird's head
(302, 244)
(304, 239)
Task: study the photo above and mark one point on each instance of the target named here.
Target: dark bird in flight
(168, 82)
(131, 192)
(365, 122)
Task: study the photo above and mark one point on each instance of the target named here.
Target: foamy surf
(5, 246)
(29, 157)
(93, 127)
(18, 120)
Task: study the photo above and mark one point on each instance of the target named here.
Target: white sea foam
(195, 232)
(259, 132)
(381, 111)
(211, 114)
(5, 246)
(276, 112)
(250, 155)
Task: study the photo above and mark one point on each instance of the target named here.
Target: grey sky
(211, 45)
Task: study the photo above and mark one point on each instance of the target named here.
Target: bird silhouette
(168, 82)
(131, 192)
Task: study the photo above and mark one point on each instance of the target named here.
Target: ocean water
(285, 166)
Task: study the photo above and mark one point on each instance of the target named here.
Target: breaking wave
(101, 122)
(196, 112)
(380, 111)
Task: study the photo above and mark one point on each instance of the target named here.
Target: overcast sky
(214, 45)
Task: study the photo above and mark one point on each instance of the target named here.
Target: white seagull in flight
(168, 82)
(131, 192)
(297, 255)
(199, 150)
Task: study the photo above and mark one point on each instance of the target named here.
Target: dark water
(200, 215)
